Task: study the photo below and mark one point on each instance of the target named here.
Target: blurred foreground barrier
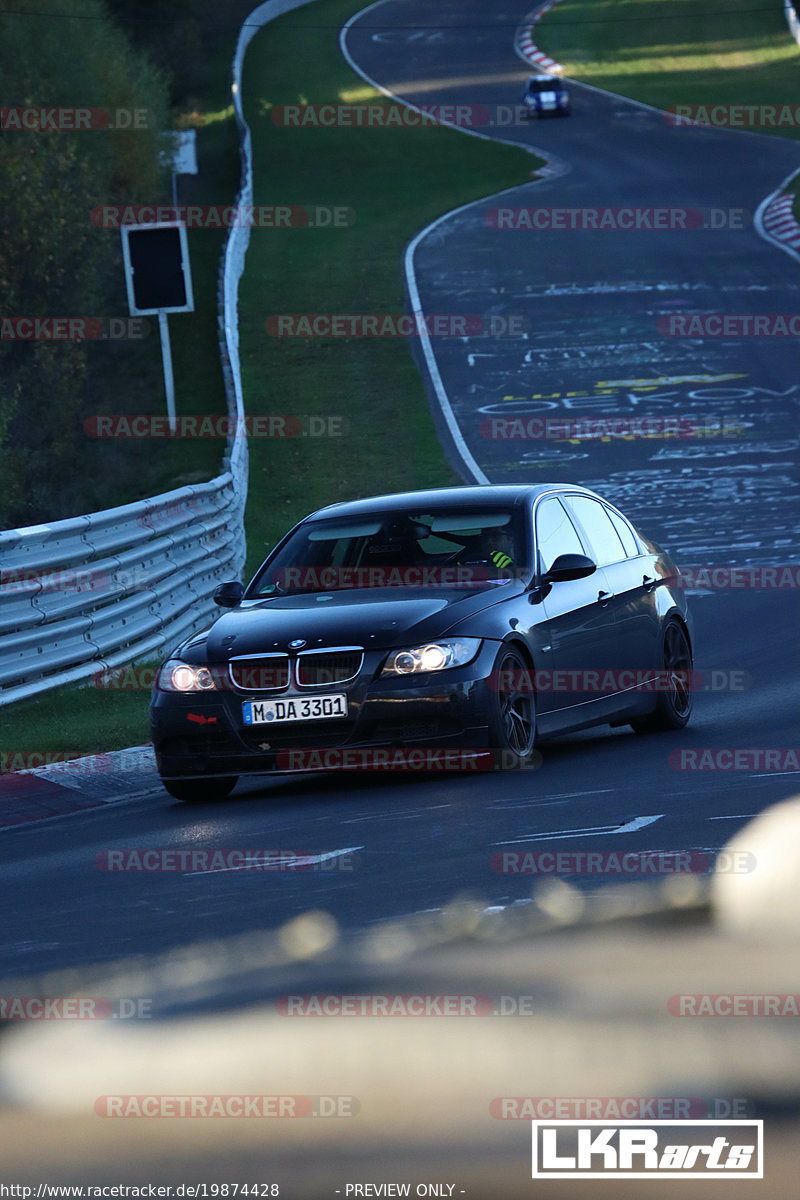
(765, 904)
(419, 1050)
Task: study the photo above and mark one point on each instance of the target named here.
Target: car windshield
(453, 548)
(543, 85)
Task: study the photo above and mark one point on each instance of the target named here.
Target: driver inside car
(494, 551)
(497, 547)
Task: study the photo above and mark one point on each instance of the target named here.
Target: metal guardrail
(91, 593)
(95, 592)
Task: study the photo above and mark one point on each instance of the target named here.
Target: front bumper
(203, 735)
(547, 110)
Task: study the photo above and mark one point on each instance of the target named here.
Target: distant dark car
(472, 618)
(545, 96)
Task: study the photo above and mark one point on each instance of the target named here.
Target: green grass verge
(396, 180)
(73, 721)
(667, 52)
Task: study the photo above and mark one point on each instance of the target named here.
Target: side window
(624, 531)
(555, 534)
(606, 545)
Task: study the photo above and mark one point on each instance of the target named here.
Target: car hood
(376, 618)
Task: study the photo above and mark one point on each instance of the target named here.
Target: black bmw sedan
(444, 629)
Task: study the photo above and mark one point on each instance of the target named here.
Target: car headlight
(433, 656)
(177, 676)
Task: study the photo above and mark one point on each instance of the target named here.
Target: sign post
(166, 359)
(159, 281)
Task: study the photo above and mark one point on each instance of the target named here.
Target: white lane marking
(554, 835)
(734, 817)
(569, 795)
(505, 804)
(638, 823)
(528, 805)
(391, 816)
(296, 860)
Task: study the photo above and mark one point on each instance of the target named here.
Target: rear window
(626, 536)
(593, 516)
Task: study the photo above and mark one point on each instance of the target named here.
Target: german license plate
(294, 708)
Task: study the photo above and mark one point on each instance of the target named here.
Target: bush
(53, 261)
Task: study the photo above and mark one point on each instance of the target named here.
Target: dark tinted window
(537, 86)
(606, 544)
(392, 548)
(624, 531)
(555, 534)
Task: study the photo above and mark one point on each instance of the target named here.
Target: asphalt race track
(591, 300)
(412, 845)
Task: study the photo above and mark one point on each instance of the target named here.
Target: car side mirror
(570, 566)
(228, 594)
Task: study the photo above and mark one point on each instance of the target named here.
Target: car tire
(201, 789)
(674, 706)
(512, 712)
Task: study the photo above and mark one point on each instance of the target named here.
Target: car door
(581, 635)
(642, 578)
(631, 581)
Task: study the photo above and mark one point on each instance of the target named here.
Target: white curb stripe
(775, 222)
(524, 41)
